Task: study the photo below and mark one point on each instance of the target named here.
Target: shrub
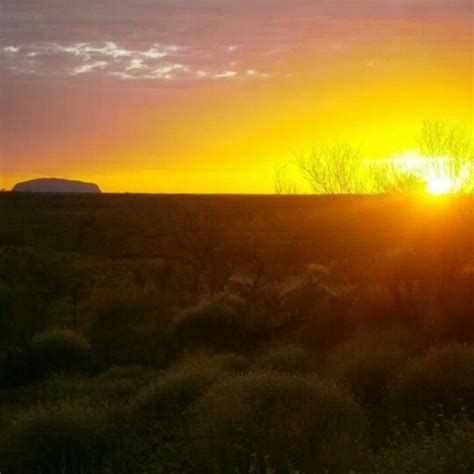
(114, 386)
(62, 351)
(289, 358)
(129, 372)
(283, 418)
(367, 363)
(168, 399)
(127, 327)
(449, 451)
(442, 380)
(212, 325)
(203, 360)
(70, 439)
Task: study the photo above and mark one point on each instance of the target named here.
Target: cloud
(254, 73)
(11, 49)
(85, 68)
(156, 61)
(210, 38)
(225, 74)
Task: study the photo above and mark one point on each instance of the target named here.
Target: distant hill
(56, 185)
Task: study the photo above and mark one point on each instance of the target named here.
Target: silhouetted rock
(55, 185)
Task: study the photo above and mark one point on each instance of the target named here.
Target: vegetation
(236, 334)
(442, 163)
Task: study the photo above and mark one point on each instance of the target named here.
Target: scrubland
(236, 334)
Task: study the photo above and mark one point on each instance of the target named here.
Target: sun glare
(439, 184)
(441, 175)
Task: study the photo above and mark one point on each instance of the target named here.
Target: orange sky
(206, 96)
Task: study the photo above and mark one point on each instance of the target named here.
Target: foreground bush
(115, 386)
(203, 360)
(441, 381)
(448, 450)
(284, 419)
(367, 364)
(61, 351)
(127, 327)
(289, 358)
(214, 325)
(70, 439)
(169, 397)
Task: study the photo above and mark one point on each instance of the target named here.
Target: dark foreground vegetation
(168, 334)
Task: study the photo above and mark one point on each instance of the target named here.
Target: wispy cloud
(157, 61)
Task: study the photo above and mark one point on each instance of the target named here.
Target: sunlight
(439, 185)
(440, 175)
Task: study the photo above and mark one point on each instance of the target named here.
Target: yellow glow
(439, 185)
(441, 174)
(228, 136)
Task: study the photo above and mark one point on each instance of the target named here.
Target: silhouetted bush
(163, 404)
(127, 327)
(203, 360)
(128, 372)
(289, 358)
(282, 418)
(367, 363)
(114, 386)
(214, 325)
(448, 450)
(441, 381)
(71, 439)
(62, 351)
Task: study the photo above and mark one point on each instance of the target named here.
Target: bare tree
(282, 183)
(450, 146)
(334, 169)
(339, 168)
(386, 177)
(439, 139)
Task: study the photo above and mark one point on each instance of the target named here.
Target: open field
(236, 334)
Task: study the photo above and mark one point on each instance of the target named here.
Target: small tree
(451, 148)
(282, 183)
(334, 169)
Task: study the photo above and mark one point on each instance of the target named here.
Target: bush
(114, 386)
(282, 418)
(441, 381)
(168, 399)
(214, 325)
(71, 439)
(449, 450)
(137, 373)
(290, 358)
(367, 364)
(62, 351)
(202, 361)
(127, 327)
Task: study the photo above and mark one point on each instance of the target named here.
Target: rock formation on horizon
(56, 185)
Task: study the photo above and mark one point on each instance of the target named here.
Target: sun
(438, 175)
(439, 184)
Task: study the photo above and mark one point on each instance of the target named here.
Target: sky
(209, 96)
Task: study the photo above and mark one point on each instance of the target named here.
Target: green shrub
(128, 372)
(214, 325)
(169, 397)
(62, 351)
(441, 381)
(127, 327)
(113, 387)
(71, 439)
(282, 418)
(448, 451)
(289, 358)
(203, 360)
(367, 363)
